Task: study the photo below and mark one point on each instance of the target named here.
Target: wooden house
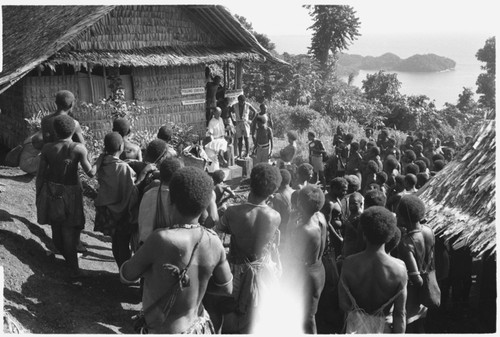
(158, 53)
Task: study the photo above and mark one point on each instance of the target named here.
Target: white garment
(216, 128)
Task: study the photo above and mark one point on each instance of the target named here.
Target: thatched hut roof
(460, 199)
(117, 35)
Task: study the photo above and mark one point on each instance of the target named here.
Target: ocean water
(440, 87)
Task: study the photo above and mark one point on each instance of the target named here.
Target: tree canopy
(486, 81)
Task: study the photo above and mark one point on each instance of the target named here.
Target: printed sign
(192, 91)
(193, 101)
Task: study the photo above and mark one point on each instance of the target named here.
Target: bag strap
(160, 221)
(176, 287)
(427, 252)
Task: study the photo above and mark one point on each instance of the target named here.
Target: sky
(377, 17)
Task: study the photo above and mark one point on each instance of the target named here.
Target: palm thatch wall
(164, 48)
(460, 199)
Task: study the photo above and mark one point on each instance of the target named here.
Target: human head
(368, 132)
(292, 136)
(412, 168)
(64, 126)
(217, 79)
(418, 148)
(381, 178)
(217, 112)
(372, 166)
(384, 134)
(391, 141)
(409, 140)
(400, 183)
(375, 198)
(264, 180)
(165, 133)
(362, 144)
(410, 156)
(310, 199)
(422, 179)
(286, 177)
(354, 147)
(122, 126)
(263, 108)
(378, 225)
(113, 143)
(421, 165)
(410, 209)
(410, 181)
(167, 169)
(338, 187)
(356, 203)
(305, 172)
(353, 183)
(65, 100)
(437, 156)
(241, 99)
(155, 151)
(348, 138)
(190, 190)
(371, 144)
(311, 135)
(391, 163)
(438, 165)
(394, 241)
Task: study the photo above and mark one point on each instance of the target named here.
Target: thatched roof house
(460, 199)
(158, 52)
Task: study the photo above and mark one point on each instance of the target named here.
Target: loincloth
(202, 326)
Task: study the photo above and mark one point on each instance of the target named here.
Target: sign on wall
(192, 91)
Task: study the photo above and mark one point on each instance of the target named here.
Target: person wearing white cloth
(218, 144)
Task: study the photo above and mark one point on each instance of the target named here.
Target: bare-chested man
(372, 281)
(309, 240)
(181, 262)
(254, 229)
(131, 151)
(59, 190)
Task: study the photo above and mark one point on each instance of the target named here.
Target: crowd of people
(345, 231)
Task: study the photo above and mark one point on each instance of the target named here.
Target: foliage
(35, 121)
(382, 86)
(334, 28)
(486, 81)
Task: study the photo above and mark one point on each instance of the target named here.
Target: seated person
(30, 154)
(220, 188)
(173, 291)
(131, 151)
(371, 282)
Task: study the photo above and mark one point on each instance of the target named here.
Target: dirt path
(37, 291)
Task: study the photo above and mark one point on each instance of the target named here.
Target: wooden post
(105, 84)
(1, 297)
(91, 84)
(239, 73)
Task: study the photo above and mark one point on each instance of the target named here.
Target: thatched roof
(460, 199)
(105, 35)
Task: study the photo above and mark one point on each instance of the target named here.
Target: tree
(486, 81)
(381, 86)
(334, 28)
(466, 101)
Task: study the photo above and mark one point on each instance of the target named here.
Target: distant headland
(352, 63)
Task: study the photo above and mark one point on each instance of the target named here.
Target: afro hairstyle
(438, 165)
(354, 147)
(426, 161)
(311, 199)
(411, 208)
(373, 186)
(353, 183)
(381, 178)
(112, 142)
(191, 190)
(64, 99)
(375, 198)
(286, 177)
(156, 150)
(410, 155)
(391, 163)
(165, 133)
(64, 126)
(372, 166)
(410, 180)
(311, 134)
(375, 151)
(422, 179)
(338, 183)
(378, 225)
(348, 137)
(437, 156)
(412, 168)
(122, 126)
(218, 176)
(419, 147)
(394, 241)
(264, 179)
(305, 170)
(167, 169)
(422, 166)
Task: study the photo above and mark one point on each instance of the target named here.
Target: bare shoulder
(399, 266)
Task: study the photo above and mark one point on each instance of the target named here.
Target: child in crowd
(221, 189)
(263, 140)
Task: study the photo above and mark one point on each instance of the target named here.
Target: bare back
(59, 162)
(372, 279)
(252, 228)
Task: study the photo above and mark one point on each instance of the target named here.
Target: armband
(410, 273)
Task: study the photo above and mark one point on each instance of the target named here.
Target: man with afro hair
(372, 282)
(59, 194)
(416, 249)
(131, 151)
(253, 226)
(65, 101)
(182, 262)
(308, 238)
(117, 198)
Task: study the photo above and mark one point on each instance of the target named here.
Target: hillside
(390, 62)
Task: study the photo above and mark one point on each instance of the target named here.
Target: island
(352, 63)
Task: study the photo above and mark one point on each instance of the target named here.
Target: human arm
(142, 260)
(213, 215)
(344, 300)
(84, 161)
(399, 311)
(223, 225)
(406, 253)
(271, 143)
(221, 282)
(78, 135)
(42, 168)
